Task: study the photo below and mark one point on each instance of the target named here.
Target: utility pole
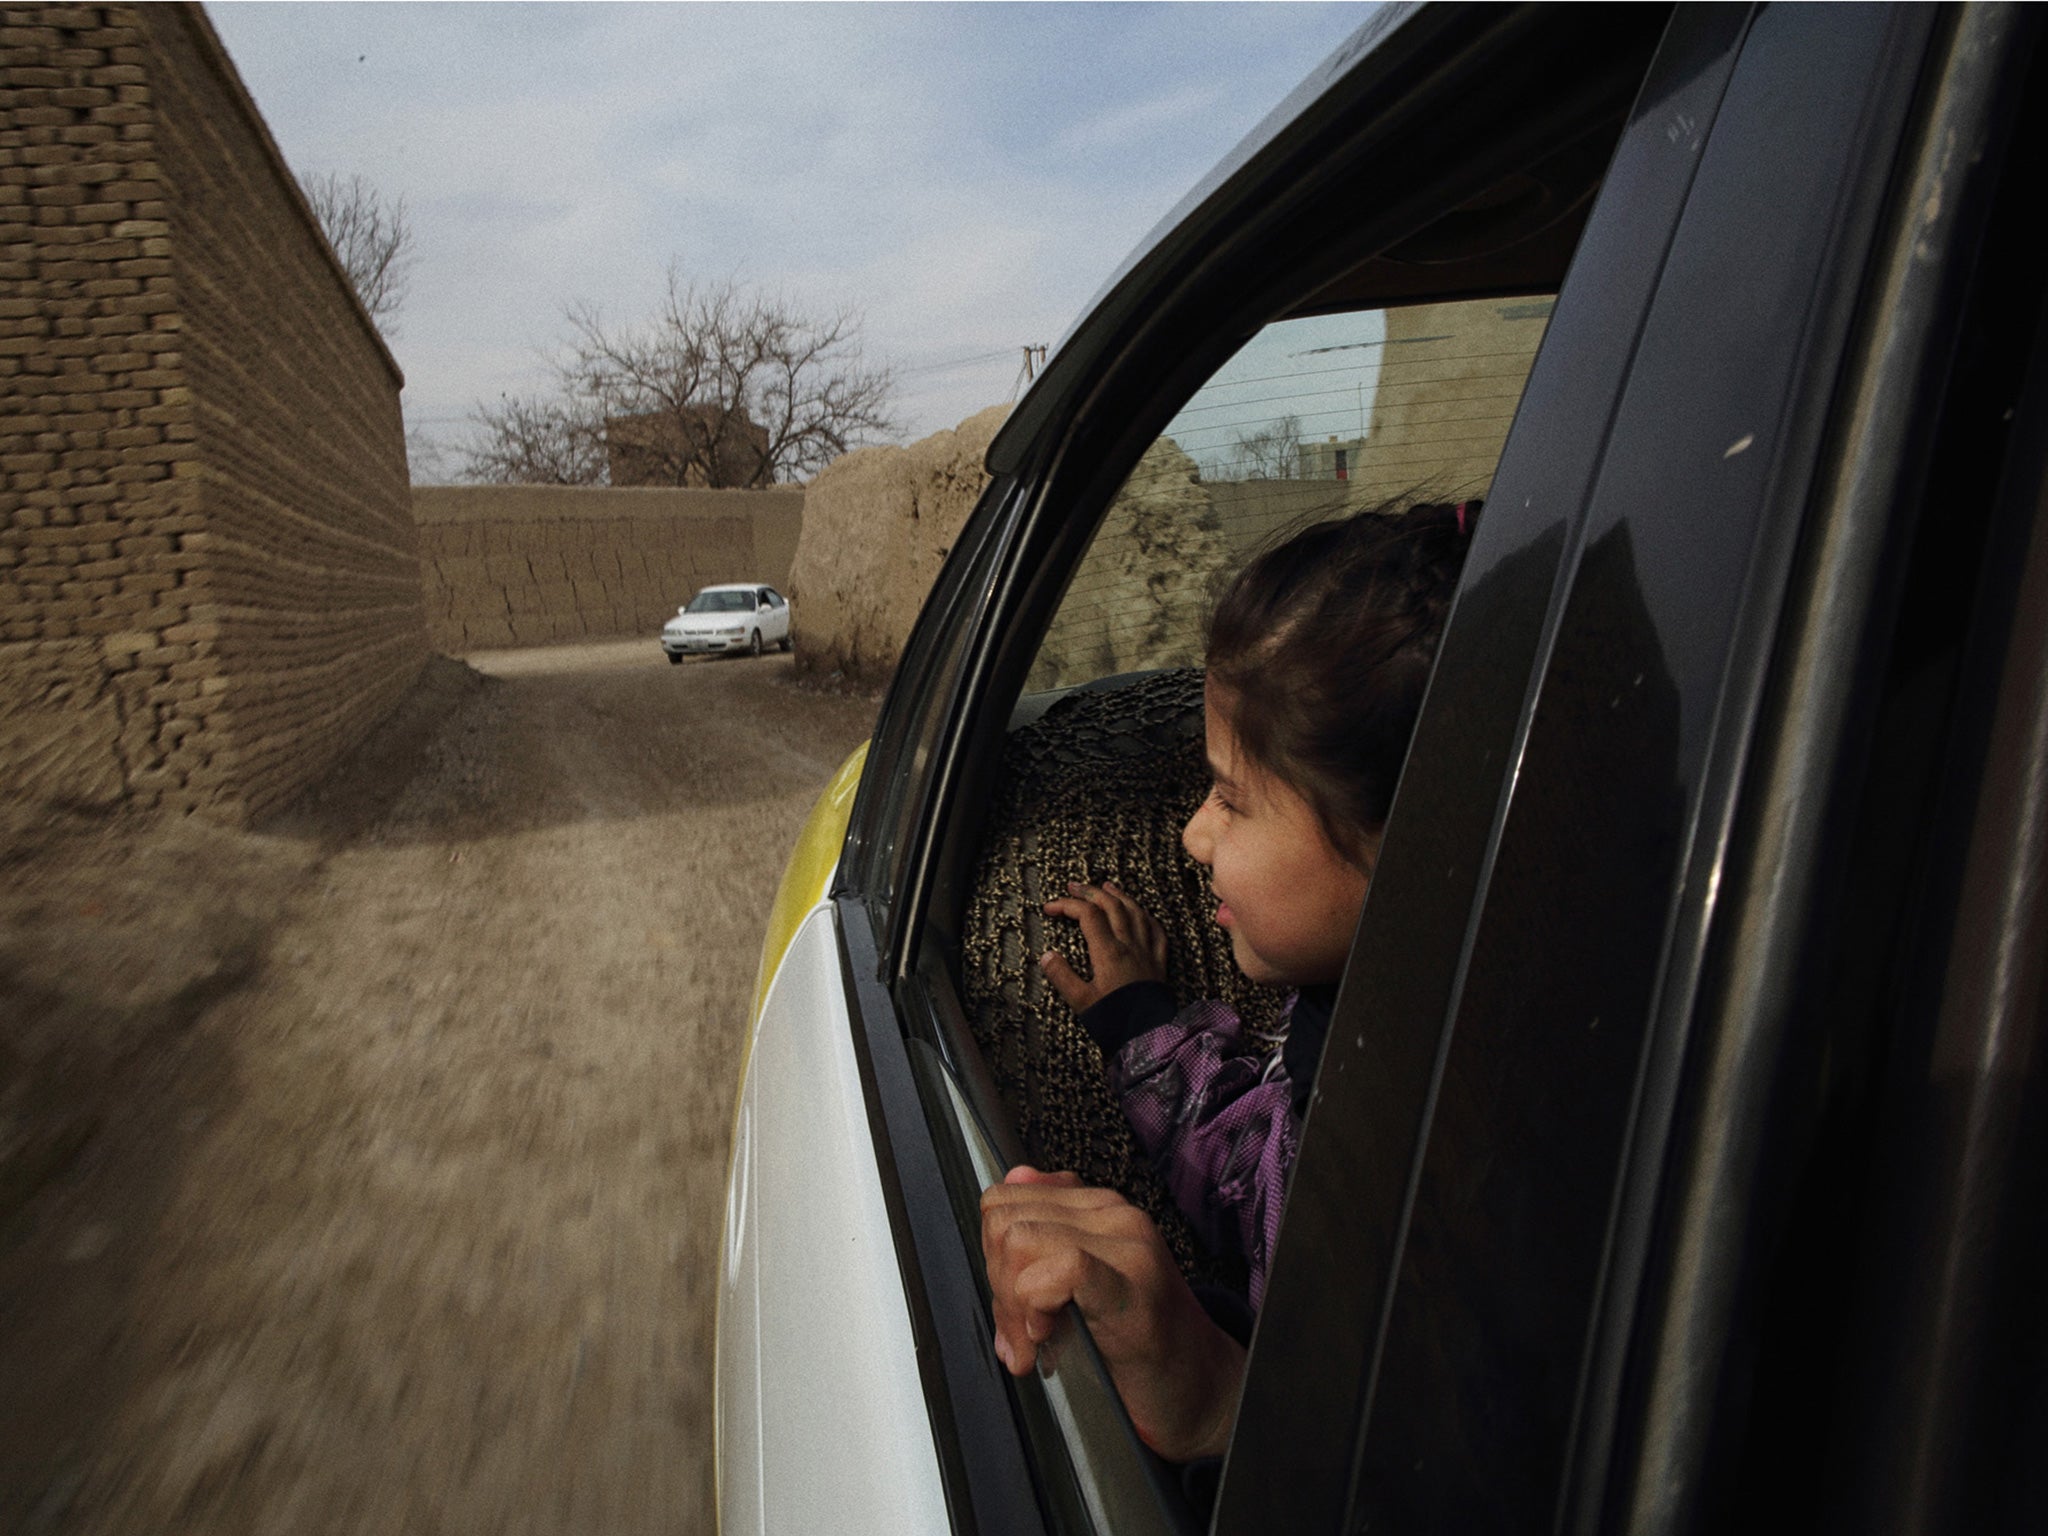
(1034, 364)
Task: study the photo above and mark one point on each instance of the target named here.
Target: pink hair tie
(1461, 515)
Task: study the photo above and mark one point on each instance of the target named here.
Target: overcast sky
(968, 176)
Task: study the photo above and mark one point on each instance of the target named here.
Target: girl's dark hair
(1326, 644)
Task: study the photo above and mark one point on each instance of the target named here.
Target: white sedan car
(724, 619)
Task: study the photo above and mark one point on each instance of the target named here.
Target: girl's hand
(1124, 944)
(1049, 1240)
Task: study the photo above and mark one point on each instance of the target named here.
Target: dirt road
(407, 1221)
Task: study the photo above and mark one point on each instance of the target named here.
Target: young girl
(1318, 656)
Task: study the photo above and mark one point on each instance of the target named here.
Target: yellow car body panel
(809, 870)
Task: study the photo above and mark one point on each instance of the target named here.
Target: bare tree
(524, 440)
(372, 238)
(426, 458)
(722, 387)
(1271, 452)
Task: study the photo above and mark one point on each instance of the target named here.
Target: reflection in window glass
(1310, 419)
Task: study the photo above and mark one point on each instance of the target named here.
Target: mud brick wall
(878, 524)
(514, 565)
(208, 570)
(308, 541)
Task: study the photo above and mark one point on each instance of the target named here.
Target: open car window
(1313, 418)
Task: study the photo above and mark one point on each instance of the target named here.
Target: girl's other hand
(1124, 944)
(1049, 1240)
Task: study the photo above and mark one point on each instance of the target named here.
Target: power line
(958, 362)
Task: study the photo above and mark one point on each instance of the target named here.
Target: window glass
(720, 602)
(1311, 418)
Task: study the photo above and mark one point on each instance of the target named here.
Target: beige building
(1450, 377)
(1332, 459)
(209, 574)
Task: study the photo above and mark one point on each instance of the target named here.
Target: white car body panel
(822, 1424)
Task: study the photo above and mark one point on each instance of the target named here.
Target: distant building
(1337, 458)
(1450, 377)
(703, 445)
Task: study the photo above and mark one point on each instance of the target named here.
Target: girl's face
(1287, 897)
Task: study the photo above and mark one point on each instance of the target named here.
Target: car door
(1576, 1236)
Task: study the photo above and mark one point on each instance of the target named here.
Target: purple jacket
(1219, 1121)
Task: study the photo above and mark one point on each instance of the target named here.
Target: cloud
(1119, 127)
(966, 175)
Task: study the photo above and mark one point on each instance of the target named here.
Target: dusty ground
(365, 1174)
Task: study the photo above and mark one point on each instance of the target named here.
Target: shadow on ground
(363, 1173)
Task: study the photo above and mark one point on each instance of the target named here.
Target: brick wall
(511, 565)
(208, 570)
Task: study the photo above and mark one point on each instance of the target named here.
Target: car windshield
(721, 602)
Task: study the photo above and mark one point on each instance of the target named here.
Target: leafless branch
(1272, 452)
(523, 440)
(721, 387)
(371, 237)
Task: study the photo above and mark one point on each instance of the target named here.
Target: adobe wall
(208, 569)
(878, 523)
(1141, 597)
(509, 565)
(1440, 417)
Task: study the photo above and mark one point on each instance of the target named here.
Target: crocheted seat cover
(1098, 788)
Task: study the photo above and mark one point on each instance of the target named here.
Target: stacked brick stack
(208, 572)
(516, 565)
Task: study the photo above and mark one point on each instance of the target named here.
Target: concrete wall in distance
(515, 565)
(208, 573)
